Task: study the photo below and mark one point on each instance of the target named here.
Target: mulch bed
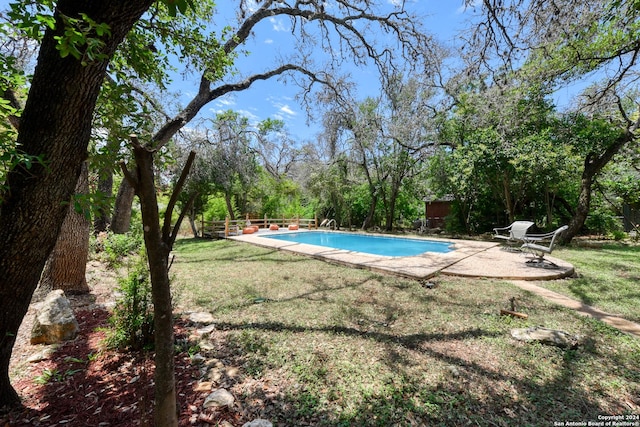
(87, 384)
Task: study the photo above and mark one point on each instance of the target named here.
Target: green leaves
(32, 18)
(173, 6)
(82, 39)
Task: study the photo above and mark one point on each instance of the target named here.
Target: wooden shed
(436, 210)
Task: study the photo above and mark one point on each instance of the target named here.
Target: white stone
(545, 336)
(42, 355)
(201, 317)
(219, 398)
(207, 329)
(55, 321)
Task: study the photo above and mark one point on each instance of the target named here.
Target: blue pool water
(375, 245)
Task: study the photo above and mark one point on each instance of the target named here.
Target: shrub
(132, 319)
(118, 246)
(602, 221)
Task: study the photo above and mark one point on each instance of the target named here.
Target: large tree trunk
(593, 164)
(67, 264)
(102, 221)
(121, 220)
(55, 124)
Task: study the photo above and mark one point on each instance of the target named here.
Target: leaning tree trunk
(121, 220)
(228, 201)
(67, 264)
(56, 125)
(593, 164)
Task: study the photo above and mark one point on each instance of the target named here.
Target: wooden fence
(228, 227)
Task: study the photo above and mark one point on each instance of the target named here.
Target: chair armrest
(538, 237)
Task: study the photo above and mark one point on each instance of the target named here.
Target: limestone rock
(545, 336)
(42, 355)
(207, 329)
(198, 359)
(201, 317)
(55, 321)
(203, 386)
(219, 398)
(258, 423)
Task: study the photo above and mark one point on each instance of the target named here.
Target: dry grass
(351, 347)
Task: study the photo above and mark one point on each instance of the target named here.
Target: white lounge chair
(514, 233)
(540, 245)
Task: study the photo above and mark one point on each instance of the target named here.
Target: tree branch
(176, 227)
(167, 236)
(204, 97)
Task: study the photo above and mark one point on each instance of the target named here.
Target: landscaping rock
(201, 317)
(42, 355)
(55, 321)
(203, 386)
(545, 336)
(453, 370)
(206, 330)
(258, 423)
(198, 359)
(219, 398)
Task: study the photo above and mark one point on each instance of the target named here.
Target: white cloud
(281, 104)
(398, 3)
(253, 118)
(277, 24)
(268, 41)
(225, 102)
(287, 110)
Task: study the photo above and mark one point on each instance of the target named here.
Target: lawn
(322, 344)
(608, 278)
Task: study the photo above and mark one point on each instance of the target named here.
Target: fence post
(226, 227)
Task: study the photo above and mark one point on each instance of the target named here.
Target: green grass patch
(340, 346)
(608, 278)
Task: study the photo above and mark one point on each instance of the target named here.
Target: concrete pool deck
(469, 258)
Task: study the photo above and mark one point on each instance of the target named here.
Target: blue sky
(273, 99)
(272, 38)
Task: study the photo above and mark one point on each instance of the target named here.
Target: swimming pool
(375, 245)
